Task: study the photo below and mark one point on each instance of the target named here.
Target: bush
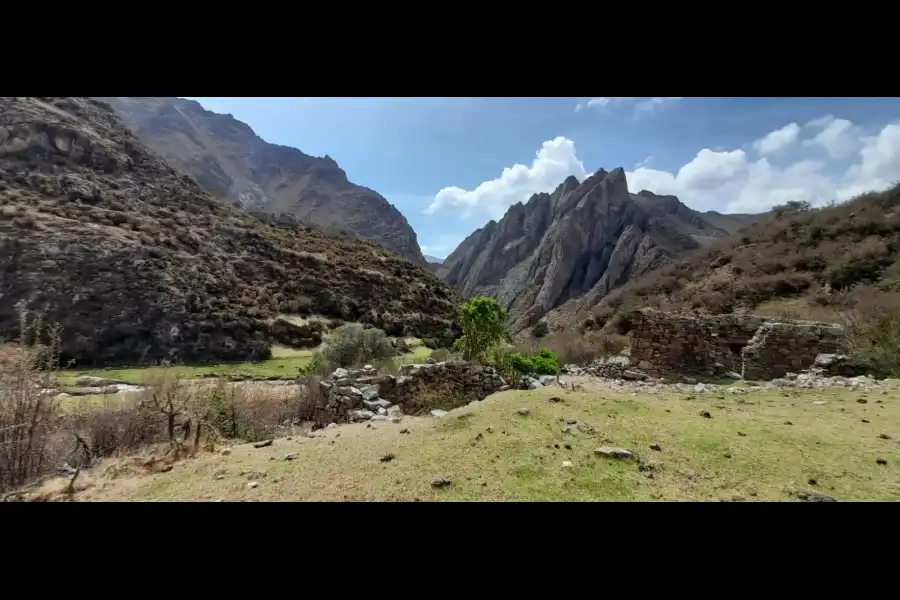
(440, 355)
(572, 347)
(352, 344)
(540, 329)
(544, 362)
(483, 323)
(871, 320)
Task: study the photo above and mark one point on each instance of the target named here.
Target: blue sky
(442, 161)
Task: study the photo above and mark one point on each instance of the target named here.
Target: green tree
(483, 323)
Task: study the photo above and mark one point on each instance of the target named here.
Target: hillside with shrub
(138, 264)
(811, 257)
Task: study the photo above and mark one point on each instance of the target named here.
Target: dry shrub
(573, 347)
(112, 430)
(28, 418)
(253, 412)
(871, 319)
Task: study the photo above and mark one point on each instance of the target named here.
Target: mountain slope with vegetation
(583, 240)
(799, 253)
(139, 264)
(228, 159)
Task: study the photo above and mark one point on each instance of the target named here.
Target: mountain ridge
(139, 264)
(582, 240)
(229, 159)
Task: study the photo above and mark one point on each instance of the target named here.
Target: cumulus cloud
(642, 106)
(841, 162)
(835, 167)
(555, 161)
(838, 137)
(778, 139)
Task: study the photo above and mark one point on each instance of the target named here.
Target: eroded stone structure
(667, 344)
(362, 394)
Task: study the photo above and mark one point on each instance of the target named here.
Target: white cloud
(643, 107)
(555, 161)
(650, 106)
(838, 137)
(729, 181)
(778, 139)
(599, 103)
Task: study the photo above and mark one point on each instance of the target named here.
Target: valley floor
(768, 444)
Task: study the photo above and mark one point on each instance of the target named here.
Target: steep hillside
(138, 263)
(230, 160)
(583, 240)
(809, 255)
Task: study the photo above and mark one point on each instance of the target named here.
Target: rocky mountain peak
(582, 240)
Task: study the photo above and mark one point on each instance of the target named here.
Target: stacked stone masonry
(668, 344)
(363, 394)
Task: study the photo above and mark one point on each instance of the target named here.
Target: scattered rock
(263, 444)
(862, 401)
(291, 456)
(404, 430)
(656, 447)
(812, 481)
(225, 451)
(441, 482)
(567, 464)
(742, 434)
(438, 413)
(788, 423)
(612, 452)
(815, 497)
(705, 414)
(524, 411)
(555, 399)
(884, 436)
(252, 484)
(387, 457)
(727, 455)
(881, 461)
(567, 446)
(865, 421)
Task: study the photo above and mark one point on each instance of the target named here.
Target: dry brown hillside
(808, 254)
(138, 263)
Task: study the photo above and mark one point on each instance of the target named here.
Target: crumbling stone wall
(779, 348)
(669, 344)
(362, 394)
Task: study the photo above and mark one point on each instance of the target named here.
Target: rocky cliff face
(139, 264)
(582, 240)
(230, 160)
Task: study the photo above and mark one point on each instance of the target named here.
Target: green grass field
(767, 445)
(284, 364)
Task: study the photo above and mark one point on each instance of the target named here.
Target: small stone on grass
(611, 452)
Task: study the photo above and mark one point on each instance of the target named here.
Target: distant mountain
(575, 244)
(434, 259)
(227, 158)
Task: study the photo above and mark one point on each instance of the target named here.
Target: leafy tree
(483, 323)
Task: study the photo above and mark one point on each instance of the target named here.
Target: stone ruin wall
(670, 344)
(415, 390)
(779, 348)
